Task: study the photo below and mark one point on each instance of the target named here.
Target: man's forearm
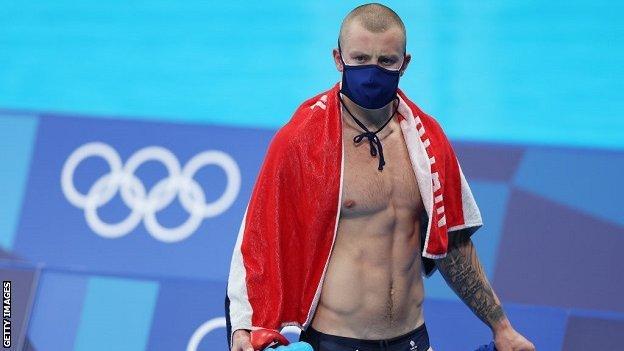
(464, 274)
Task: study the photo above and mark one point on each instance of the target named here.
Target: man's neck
(372, 119)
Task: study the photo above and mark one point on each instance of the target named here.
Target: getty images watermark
(6, 314)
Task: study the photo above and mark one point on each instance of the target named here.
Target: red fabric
(290, 222)
(291, 216)
(263, 338)
(447, 170)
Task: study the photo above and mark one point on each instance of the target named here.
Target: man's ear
(337, 60)
(408, 58)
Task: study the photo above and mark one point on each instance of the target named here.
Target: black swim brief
(415, 340)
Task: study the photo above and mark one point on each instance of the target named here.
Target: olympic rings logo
(145, 204)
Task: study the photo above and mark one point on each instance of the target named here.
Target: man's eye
(359, 58)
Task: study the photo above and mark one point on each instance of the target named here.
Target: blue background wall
(528, 91)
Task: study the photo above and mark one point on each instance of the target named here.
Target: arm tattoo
(463, 273)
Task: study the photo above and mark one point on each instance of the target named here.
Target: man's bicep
(459, 238)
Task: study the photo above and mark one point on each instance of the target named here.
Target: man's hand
(242, 340)
(464, 274)
(507, 339)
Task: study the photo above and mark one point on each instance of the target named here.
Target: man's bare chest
(366, 190)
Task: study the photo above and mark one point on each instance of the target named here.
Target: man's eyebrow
(358, 53)
(391, 56)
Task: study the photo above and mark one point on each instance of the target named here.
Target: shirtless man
(373, 289)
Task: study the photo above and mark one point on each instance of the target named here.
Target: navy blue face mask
(369, 86)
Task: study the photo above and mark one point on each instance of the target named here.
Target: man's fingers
(528, 347)
(247, 346)
(243, 346)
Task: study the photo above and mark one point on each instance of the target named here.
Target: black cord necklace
(373, 140)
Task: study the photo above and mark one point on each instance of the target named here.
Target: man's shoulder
(430, 122)
(307, 112)
(314, 100)
(318, 100)
(303, 118)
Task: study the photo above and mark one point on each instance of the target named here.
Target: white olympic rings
(145, 204)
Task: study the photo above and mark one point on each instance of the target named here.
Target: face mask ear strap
(404, 57)
(403, 63)
(340, 53)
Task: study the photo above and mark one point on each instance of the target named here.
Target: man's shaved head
(373, 17)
